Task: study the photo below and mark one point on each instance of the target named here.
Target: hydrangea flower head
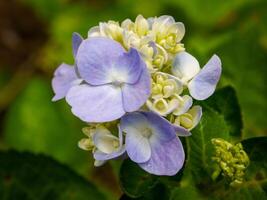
(135, 85)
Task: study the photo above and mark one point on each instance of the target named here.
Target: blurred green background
(35, 37)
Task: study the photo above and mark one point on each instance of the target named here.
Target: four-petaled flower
(200, 82)
(151, 141)
(109, 81)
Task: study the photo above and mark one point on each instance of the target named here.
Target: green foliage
(248, 80)
(135, 181)
(244, 62)
(160, 191)
(256, 176)
(199, 146)
(225, 102)
(26, 176)
(188, 192)
(224, 117)
(200, 178)
(209, 12)
(34, 123)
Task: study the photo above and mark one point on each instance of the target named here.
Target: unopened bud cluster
(232, 160)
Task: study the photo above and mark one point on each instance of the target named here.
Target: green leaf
(160, 191)
(135, 182)
(37, 124)
(26, 176)
(189, 192)
(199, 146)
(225, 102)
(256, 175)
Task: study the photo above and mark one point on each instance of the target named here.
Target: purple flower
(151, 141)
(113, 81)
(65, 75)
(201, 82)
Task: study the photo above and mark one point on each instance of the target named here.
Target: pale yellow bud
(190, 119)
(112, 30)
(170, 88)
(147, 51)
(162, 106)
(86, 144)
(186, 120)
(127, 24)
(141, 25)
(130, 39)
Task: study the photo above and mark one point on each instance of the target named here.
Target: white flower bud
(190, 119)
(141, 25)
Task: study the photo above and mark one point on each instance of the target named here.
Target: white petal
(104, 140)
(185, 103)
(185, 66)
(196, 112)
(179, 28)
(99, 163)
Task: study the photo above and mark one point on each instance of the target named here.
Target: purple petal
(64, 78)
(76, 41)
(95, 59)
(135, 95)
(130, 65)
(96, 103)
(162, 129)
(204, 83)
(98, 155)
(181, 131)
(167, 158)
(137, 144)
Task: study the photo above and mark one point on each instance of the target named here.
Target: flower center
(117, 83)
(147, 132)
(116, 144)
(118, 78)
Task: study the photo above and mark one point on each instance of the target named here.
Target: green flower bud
(231, 159)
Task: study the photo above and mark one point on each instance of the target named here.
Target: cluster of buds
(167, 100)
(101, 141)
(164, 98)
(232, 160)
(157, 39)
